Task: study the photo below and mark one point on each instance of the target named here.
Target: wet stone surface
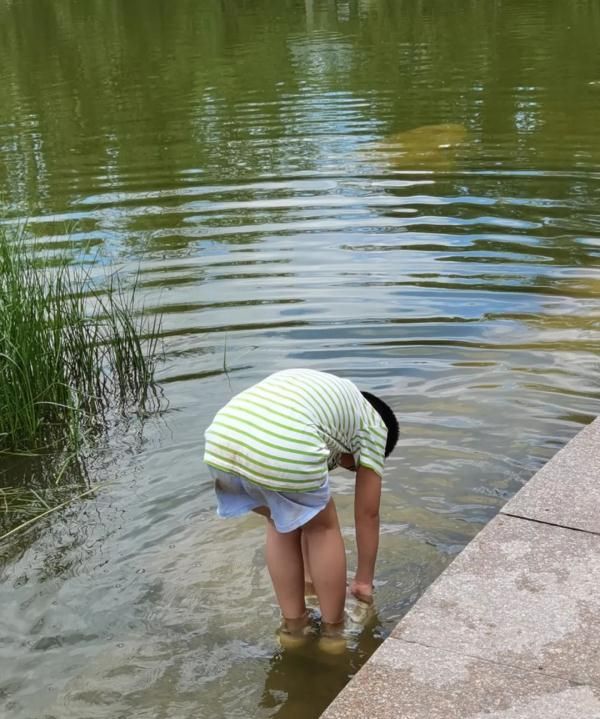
(413, 681)
(522, 594)
(566, 491)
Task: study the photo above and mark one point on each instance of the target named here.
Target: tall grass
(75, 351)
(71, 349)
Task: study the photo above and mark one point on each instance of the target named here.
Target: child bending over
(270, 450)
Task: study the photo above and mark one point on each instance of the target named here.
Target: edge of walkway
(511, 629)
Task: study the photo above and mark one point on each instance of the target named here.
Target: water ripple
(406, 197)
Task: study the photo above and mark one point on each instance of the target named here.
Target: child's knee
(326, 519)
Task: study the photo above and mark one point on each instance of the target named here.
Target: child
(270, 449)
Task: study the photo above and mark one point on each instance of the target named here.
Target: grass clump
(72, 348)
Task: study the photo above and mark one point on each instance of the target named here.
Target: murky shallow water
(402, 193)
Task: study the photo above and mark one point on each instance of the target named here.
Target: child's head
(389, 418)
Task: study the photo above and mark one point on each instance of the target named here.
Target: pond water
(404, 193)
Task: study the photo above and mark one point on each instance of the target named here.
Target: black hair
(389, 418)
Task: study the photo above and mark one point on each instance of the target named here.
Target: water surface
(404, 193)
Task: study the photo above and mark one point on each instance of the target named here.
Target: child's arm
(367, 496)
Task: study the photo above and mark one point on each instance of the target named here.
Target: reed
(72, 348)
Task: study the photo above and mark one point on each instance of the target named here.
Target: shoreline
(511, 629)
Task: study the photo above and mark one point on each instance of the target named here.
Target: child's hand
(362, 591)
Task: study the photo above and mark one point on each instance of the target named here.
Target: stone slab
(521, 594)
(411, 681)
(566, 491)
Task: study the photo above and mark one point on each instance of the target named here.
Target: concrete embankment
(511, 630)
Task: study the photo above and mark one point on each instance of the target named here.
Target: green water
(405, 193)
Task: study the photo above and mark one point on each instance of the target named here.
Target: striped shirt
(286, 431)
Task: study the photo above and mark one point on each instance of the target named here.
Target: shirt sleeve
(372, 439)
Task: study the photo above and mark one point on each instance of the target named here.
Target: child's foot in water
(295, 633)
(332, 639)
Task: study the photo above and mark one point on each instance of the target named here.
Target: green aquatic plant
(77, 353)
(72, 348)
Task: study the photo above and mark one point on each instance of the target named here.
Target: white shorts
(289, 510)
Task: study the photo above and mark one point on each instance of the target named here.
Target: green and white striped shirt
(282, 432)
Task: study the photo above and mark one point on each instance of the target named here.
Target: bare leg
(309, 587)
(327, 564)
(284, 560)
